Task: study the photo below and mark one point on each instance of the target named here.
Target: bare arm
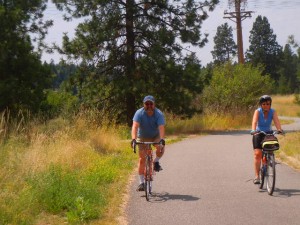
(255, 119)
(276, 121)
(134, 130)
(161, 129)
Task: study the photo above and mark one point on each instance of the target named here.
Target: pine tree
(23, 77)
(264, 48)
(131, 48)
(288, 72)
(225, 48)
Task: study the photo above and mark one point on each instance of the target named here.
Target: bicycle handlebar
(273, 132)
(144, 143)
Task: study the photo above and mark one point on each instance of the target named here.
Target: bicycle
(267, 170)
(148, 172)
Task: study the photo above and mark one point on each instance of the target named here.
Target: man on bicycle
(262, 121)
(148, 125)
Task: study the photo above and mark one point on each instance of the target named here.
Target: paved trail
(208, 180)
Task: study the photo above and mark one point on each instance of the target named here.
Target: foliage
(127, 49)
(235, 88)
(62, 72)
(22, 75)
(225, 48)
(264, 48)
(60, 103)
(185, 80)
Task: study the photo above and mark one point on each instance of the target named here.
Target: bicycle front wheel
(262, 173)
(148, 178)
(271, 174)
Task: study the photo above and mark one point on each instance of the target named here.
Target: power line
(259, 4)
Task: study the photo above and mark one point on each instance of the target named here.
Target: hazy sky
(283, 16)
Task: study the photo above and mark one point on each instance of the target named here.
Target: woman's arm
(276, 121)
(255, 119)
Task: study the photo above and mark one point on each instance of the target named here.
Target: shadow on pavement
(163, 197)
(287, 192)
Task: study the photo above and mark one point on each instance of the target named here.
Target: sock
(156, 159)
(142, 178)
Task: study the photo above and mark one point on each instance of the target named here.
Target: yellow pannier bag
(270, 143)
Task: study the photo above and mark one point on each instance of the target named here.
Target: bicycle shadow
(286, 192)
(283, 193)
(163, 197)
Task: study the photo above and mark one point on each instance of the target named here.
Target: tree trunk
(130, 59)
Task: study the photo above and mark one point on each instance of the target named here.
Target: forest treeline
(124, 50)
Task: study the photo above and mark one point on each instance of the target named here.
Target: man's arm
(161, 129)
(134, 130)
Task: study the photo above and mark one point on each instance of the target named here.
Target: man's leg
(159, 153)
(141, 168)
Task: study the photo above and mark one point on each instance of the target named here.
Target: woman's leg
(257, 161)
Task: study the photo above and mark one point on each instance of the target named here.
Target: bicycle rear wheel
(271, 174)
(148, 178)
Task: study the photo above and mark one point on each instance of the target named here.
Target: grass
(63, 174)
(289, 152)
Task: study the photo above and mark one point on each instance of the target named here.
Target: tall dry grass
(206, 123)
(290, 149)
(80, 161)
(285, 105)
(289, 153)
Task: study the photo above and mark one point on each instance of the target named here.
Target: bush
(235, 88)
(60, 103)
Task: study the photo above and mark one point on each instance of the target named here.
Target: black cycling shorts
(257, 141)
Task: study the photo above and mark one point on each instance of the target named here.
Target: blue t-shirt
(265, 124)
(148, 124)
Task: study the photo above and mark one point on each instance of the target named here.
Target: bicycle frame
(148, 171)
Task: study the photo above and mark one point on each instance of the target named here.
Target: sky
(283, 16)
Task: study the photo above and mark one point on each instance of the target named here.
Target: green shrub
(235, 88)
(60, 103)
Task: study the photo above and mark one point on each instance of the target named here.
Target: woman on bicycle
(148, 125)
(262, 121)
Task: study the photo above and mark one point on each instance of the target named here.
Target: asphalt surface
(209, 180)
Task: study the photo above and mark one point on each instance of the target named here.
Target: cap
(149, 98)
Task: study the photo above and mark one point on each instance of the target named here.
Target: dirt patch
(122, 219)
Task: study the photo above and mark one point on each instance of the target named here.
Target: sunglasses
(149, 103)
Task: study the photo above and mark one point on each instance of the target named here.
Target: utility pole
(238, 16)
